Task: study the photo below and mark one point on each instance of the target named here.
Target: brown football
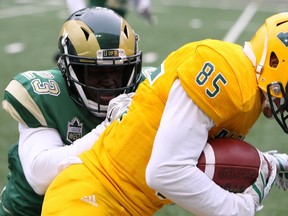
(230, 163)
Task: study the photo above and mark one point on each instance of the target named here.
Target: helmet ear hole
(274, 61)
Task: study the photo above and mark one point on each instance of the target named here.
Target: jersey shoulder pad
(213, 76)
(30, 93)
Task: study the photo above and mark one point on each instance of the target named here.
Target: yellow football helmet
(99, 57)
(270, 48)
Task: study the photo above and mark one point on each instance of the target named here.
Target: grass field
(28, 41)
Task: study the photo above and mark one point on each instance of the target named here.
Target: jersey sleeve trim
(20, 99)
(17, 110)
(10, 109)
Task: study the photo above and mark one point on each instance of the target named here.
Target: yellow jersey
(216, 75)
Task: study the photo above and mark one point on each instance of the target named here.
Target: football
(230, 163)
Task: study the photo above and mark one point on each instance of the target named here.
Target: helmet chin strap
(263, 58)
(250, 54)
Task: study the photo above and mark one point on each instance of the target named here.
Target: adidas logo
(90, 200)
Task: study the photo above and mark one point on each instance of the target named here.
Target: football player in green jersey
(58, 110)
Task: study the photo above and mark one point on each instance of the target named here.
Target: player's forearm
(41, 151)
(197, 193)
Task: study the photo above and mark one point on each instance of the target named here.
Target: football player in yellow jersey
(147, 158)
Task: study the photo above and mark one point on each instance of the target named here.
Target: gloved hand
(261, 187)
(281, 161)
(118, 106)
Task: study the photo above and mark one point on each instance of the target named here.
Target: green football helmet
(99, 57)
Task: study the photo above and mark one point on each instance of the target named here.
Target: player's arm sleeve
(172, 170)
(41, 151)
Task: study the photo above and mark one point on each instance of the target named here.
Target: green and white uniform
(40, 99)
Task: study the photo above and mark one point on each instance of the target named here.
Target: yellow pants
(76, 191)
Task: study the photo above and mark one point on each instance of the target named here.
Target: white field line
(26, 10)
(241, 23)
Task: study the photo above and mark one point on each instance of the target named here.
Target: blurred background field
(28, 41)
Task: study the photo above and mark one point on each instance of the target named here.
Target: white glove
(118, 106)
(261, 187)
(281, 161)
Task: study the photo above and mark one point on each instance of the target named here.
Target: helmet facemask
(275, 103)
(276, 99)
(278, 106)
(268, 52)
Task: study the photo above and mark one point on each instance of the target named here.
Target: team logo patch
(283, 38)
(74, 130)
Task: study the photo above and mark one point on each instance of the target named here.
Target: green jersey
(41, 99)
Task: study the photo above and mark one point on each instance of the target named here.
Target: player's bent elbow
(36, 185)
(154, 178)
(150, 179)
(40, 175)
(39, 186)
